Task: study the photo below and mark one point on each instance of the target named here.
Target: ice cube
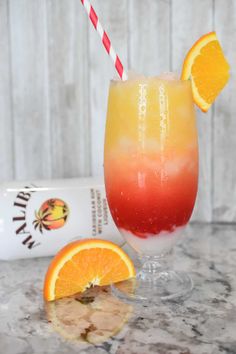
(134, 75)
(170, 76)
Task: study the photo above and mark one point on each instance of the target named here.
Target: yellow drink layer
(150, 115)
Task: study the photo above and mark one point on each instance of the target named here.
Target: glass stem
(151, 267)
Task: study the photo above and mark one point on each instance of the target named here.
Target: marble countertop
(203, 323)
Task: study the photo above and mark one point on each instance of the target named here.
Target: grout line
(212, 134)
(13, 128)
(47, 84)
(213, 14)
(170, 37)
(129, 33)
(87, 79)
(212, 161)
(223, 223)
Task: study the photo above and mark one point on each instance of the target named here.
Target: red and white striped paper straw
(105, 39)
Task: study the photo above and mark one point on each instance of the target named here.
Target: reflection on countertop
(92, 317)
(203, 323)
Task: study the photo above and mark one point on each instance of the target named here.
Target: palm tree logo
(52, 215)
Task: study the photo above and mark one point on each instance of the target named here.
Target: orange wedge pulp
(85, 263)
(206, 66)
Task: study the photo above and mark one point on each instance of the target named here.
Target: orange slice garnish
(85, 263)
(208, 69)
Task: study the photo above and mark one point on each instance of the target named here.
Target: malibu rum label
(20, 206)
(42, 217)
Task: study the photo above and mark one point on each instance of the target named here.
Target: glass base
(154, 284)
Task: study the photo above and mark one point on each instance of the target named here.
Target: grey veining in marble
(204, 323)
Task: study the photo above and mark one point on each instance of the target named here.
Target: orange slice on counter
(207, 68)
(86, 263)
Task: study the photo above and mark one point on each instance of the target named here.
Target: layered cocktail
(151, 160)
(151, 172)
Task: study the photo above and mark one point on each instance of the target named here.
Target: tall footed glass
(151, 175)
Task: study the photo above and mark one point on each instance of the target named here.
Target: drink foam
(133, 76)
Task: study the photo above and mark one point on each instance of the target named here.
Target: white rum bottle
(39, 218)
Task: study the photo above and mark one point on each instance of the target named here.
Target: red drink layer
(147, 201)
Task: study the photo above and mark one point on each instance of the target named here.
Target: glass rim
(147, 79)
